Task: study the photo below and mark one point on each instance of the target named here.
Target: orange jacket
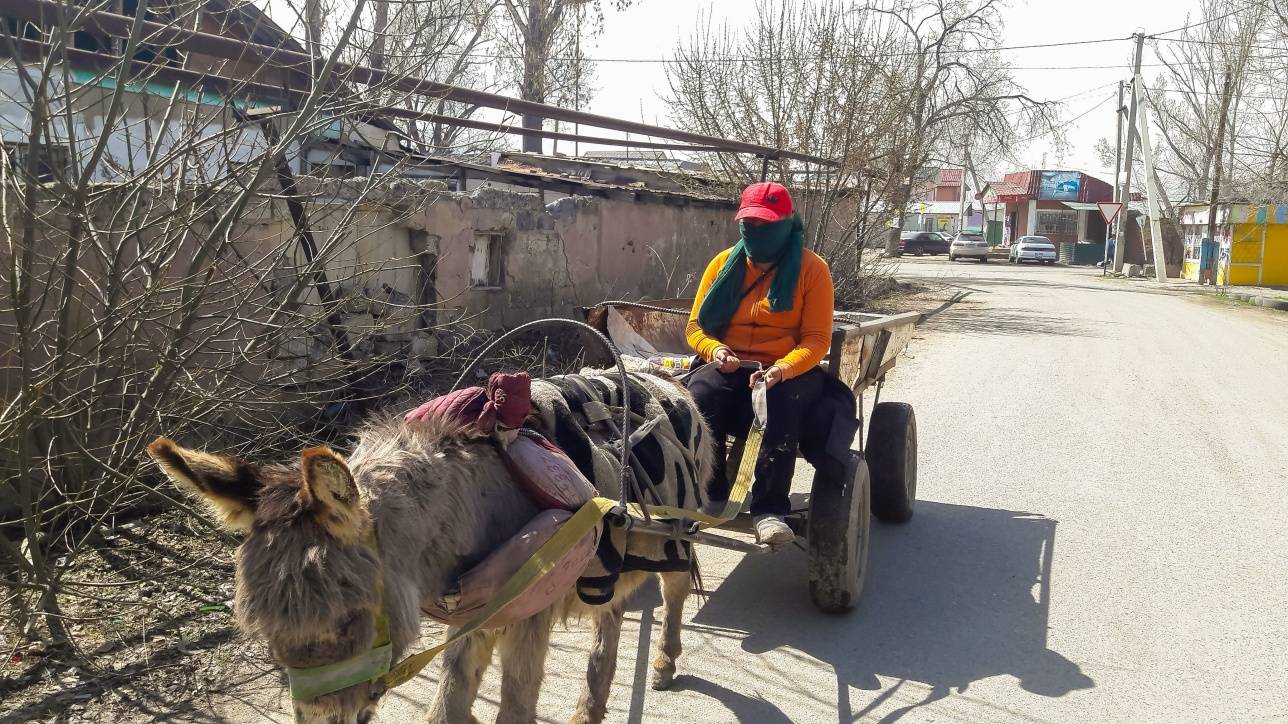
(795, 340)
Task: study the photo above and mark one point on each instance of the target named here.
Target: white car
(968, 246)
(1032, 248)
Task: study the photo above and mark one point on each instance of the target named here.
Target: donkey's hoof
(662, 679)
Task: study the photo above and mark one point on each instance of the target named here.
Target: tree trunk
(535, 40)
(380, 27)
(900, 203)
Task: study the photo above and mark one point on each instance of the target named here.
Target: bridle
(371, 665)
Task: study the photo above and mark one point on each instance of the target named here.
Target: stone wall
(502, 258)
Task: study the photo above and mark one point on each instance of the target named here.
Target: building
(1060, 205)
(937, 203)
(1253, 242)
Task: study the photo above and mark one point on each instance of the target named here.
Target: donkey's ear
(229, 485)
(329, 490)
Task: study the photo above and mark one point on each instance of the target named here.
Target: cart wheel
(837, 534)
(892, 456)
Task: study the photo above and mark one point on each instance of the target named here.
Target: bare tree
(542, 52)
(447, 40)
(165, 267)
(1191, 96)
(955, 92)
(807, 77)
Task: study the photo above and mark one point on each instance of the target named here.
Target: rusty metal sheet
(662, 330)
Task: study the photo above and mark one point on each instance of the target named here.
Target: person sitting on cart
(766, 300)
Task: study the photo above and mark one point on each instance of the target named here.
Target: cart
(879, 479)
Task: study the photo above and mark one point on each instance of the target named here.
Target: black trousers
(725, 401)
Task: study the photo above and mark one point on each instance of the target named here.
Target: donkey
(437, 498)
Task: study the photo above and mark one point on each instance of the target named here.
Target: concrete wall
(387, 250)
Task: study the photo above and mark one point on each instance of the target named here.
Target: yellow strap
(572, 531)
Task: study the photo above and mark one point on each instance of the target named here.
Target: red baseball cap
(766, 201)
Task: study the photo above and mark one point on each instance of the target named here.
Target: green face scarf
(781, 243)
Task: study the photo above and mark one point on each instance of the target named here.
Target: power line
(1209, 93)
(1195, 25)
(762, 58)
(1226, 43)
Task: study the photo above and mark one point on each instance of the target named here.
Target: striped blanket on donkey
(671, 461)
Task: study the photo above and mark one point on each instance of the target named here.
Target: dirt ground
(157, 639)
(157, 643)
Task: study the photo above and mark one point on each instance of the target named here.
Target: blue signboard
(1059, 185)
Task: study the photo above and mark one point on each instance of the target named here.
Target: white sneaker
(772, 531)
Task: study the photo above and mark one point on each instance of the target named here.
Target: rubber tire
(892, 457)
(838, 535)
(952, 258)
(983, 260)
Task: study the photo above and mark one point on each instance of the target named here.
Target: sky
(651, 28)
(648, 31)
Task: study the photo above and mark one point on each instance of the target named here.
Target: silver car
(1032, 248)
(968, 246)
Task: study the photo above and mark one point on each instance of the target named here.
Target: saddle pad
(546, 474)
(479, 585)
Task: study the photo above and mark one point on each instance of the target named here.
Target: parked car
(968, 245)
(923, 242)
(1032, 248)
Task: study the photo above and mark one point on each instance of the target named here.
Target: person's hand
(727, 360)
(771, 376)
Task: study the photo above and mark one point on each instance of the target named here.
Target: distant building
(1060, 205)
(936, 203)
(1253, 240)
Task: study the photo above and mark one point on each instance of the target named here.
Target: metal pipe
(519, 131)
(53, 12)
(667, 530)
(31, 49)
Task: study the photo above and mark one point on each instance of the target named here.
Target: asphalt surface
(1100, 534)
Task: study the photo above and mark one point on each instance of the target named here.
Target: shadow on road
(957, 595)
(1011, 321)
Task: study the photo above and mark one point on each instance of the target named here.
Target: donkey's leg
(675, 589)
(463, 666)
(606, 631)
(524, 646)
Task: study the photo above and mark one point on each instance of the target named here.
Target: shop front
(1060, 205)
(1252, 242)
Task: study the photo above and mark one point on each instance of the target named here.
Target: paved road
(1101, 534)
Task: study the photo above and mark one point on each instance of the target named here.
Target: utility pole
(1120, 245)
(1151, 188)
(961, 206)
(1216, 173)
(1118, 168)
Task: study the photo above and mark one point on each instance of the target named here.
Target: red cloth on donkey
(506, 400)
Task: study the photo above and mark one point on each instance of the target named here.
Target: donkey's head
(306, 580)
